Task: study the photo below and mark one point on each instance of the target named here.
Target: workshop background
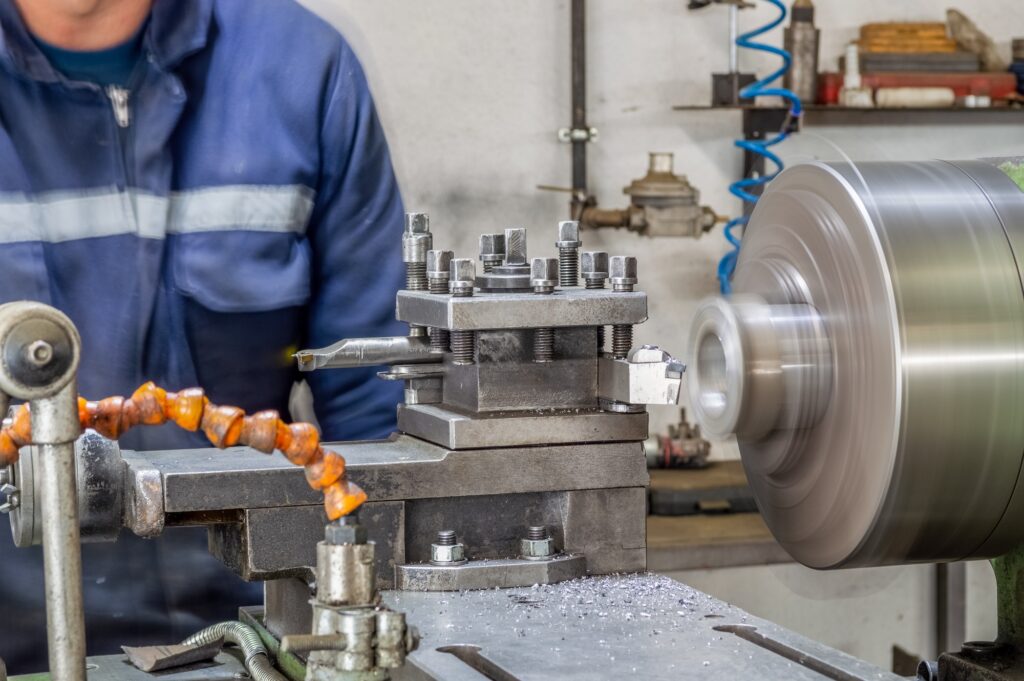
(472, 93)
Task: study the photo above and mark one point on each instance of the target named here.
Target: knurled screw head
(594, 264)
(492, 246)
(515, 246)
(623, 270)
(417, 223)
(568, 234)
(439, 264)
(544, 272)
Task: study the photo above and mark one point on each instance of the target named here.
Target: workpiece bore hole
(711, 376)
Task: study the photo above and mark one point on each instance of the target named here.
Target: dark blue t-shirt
(112, 66)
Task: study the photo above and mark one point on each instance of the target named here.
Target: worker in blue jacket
(203, 186)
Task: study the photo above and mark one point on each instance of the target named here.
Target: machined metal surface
(573, 307)
(913, 271)
(456, 430)
(489, 573)
(624, 626)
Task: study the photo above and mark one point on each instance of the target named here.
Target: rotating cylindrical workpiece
(871, 362)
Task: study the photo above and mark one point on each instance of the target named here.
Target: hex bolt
(416, 241)
(447, 550)
(439, 265)
(568, 253)
(595, 269)
(492, 250)
(515, 246)
(595, 272)
(543, 273)
(537, 544)
(463, 278)
(623, 271)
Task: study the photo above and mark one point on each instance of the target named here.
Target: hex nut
(537, 548)
(336, 534)
(568, 234)
(447, 554)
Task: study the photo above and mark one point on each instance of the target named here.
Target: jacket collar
(177, 28)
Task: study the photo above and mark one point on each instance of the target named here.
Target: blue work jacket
(235, 203)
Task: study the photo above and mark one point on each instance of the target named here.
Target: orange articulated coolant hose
(224, 426)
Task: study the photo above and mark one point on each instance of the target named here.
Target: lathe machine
(870, 364)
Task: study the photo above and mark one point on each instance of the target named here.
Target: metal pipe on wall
(579, 103)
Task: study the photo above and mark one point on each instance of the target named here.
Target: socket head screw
(568, 234)
(623, 270)
(544, 274)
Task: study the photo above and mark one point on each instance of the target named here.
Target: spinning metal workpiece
(871, 361)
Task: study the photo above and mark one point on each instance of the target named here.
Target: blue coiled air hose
(741, 188)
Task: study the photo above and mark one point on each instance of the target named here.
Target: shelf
(769, 118)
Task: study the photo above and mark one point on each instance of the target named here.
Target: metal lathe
(870, 364)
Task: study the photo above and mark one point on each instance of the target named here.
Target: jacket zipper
(118, 97)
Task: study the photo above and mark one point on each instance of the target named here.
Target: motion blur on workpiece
(146, 198)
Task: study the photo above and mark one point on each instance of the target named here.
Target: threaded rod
(591, 284)
(437, 286)
(543, 344)
(416, 276)
(537, 532)
(446, 538)
(568, 267)
(439, 339)
(600, 339)
(622, 340)
(463, 346)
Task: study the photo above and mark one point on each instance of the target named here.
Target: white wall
(471, 93)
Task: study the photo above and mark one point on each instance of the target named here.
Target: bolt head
(568, 234)
(462, 270)
(492, 245)
(536, 548)
(594, 264)
(648, 354)
(515, 246)
(543, 271)
(439, 264)
(417, 223)
(443, 554)
(39, 353)
(623, 269)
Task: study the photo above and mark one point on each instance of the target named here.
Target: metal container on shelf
(801, 41)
